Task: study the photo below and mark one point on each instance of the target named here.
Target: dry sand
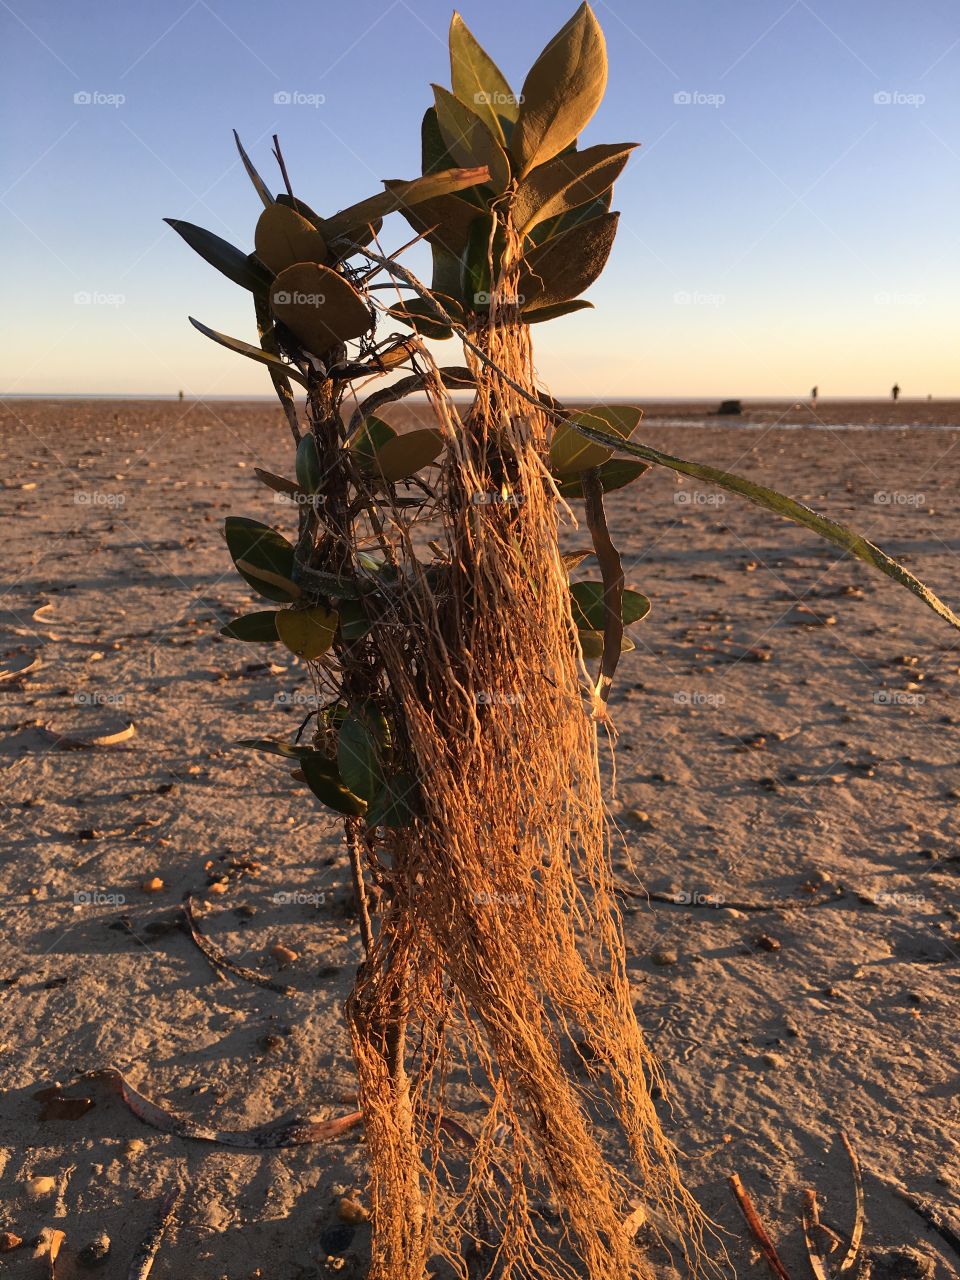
(788, 733)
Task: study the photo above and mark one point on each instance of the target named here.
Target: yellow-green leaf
(561, 92)
(404, 455)
(397, 195)
(318, 306)
(478, 81)
(283, 237)
(591, 643)
(307, 632)
(571, 453)
(468, 138)
(568, 181)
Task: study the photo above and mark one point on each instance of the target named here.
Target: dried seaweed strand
(757, 1229)
(221, 962)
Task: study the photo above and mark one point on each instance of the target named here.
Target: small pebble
(352, 1212)
(8, 1242)
(40, 1188)
(96, 1252)
(664, 956)
(773, 1061)
(763, 942)
(152, 885)
(283, 955)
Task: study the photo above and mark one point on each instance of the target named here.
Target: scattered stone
(352, 1212)
(903, 1264)
(271, 1043)
(96, 1252)
(664, 956)
(639, 816)
(9, 1242)
(245, 911)
(763, 942)
(40, 1188)
(153, 884)
(135, 1147)
(773, 1061)
(283, 955)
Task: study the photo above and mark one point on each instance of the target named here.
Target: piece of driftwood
(757, 1229)
(222, 963)
(297, 1132)
(142, 1262)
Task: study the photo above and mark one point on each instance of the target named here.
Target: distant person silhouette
(180, 396)
(813, 395)
(895, 391)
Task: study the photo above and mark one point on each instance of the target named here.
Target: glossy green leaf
(398, 195)
(323, 779)
(279, 484)
(283, 237)
(309, 632)
(563, 266)
(570, 453)
(588, 608)
(561, 92)
(434, 156)
(277, 747)
(255, 628)
(591, 643)
(234, 264)
(263, 557)
(358, 756)
(781, 505)
(567, 182)
(444, 221)
(614, 474)
(354, 623)
(556, 311)
(309, 471)
(468, 138)
(420, 316)
(585, 213)
(445, 278)
(478, 81)
(396, 804)
(372, 434)
(250, 351)
(301, 207)
(319, 307)
(405, 455)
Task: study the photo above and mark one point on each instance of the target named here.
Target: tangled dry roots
(501, 944)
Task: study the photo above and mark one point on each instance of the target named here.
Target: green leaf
(398, 195)
(567, 182)
(403, 456)
(591, 643)
(262, 189)
(561, 92)
(255, 628)
(309, 471)
(781, 505)
(307, 632)
(358, 756)
(468, 138)
(323, 779)
(556, 311)
(444, 221)
(370, 436)
(480, 262)
(235, 265)
(614, 474)
(354, 623)
(478, 81)
(277, 747)
(263, 557)
(279, 484)
(434, 156)
(253, 353)
(571, 454)
(420, 317)
(563, 266)
(283, 237)
(319, 307)
(395, 805)
(588, 608)
(301, 207)
(585, 213)
(446, 272)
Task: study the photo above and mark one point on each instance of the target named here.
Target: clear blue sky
(784, 227)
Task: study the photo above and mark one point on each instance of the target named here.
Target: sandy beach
(787, 771)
